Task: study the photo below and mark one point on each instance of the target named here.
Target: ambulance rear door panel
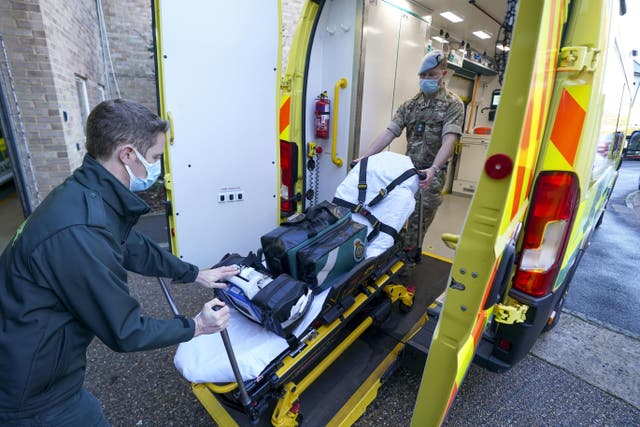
(497, 208)
(216, 78)
(332, 58)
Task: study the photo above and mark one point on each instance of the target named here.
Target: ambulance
(253, 142)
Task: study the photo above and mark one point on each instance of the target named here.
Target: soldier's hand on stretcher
(428, 176)
(213, 318)
(211, 278)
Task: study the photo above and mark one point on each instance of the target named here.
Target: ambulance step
(415, 352)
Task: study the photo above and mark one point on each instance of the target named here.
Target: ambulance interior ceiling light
(440, 39)
(482, 34)
(450, 16)
(500, 46)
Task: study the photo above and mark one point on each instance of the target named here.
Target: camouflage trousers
(431, 199)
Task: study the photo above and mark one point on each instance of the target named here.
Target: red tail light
(553, 208)
(288, 176)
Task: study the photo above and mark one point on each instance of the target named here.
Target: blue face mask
(153, 172)
(429, 86)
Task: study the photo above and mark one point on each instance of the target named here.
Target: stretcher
(348, 343)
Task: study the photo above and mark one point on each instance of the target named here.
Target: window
(81, 89)
(102, 96)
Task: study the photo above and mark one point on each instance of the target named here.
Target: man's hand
(430, 173)
(210, 278)
(210, 321)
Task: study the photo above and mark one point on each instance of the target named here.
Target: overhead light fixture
(441, 39)
(502, 48)
(451, 17)
(482, 34)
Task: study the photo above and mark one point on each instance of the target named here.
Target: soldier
(433, 119)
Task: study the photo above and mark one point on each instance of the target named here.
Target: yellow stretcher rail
(282, 415)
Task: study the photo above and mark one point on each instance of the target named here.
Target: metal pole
(418, 254)
(244, 396)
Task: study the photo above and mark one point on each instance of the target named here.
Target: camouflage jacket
(427, 121)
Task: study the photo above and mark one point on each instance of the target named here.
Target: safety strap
(393, 184)
(362, 181)
(361, 209)
(375, 223)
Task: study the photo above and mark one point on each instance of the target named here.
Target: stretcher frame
(284, 371)
(373, 277)
(290, 375)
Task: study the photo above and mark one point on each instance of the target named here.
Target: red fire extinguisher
(322, 115)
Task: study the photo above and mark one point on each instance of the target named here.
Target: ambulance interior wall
(381, 74)
(333, 58)
(477, 111)
(394, 46)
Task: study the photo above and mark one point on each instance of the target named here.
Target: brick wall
(24, 35)
(131, 42)
(291, 10)
(74, 52)
(51, 44)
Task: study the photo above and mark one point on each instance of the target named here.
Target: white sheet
(204, 358)
(395, 208)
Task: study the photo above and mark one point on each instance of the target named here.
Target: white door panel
(225, 133)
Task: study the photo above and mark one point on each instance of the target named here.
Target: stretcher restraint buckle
(383, 192)
(358, 207)
(362, 186)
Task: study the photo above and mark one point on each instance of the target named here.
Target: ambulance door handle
(342, 83)
(172, 134)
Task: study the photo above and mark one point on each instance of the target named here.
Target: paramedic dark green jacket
(63, 280)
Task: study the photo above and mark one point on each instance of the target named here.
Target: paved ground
(584, 373)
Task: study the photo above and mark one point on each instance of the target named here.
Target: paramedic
(63, 277)
(433, 119)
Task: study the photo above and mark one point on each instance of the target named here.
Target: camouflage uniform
(427, 121)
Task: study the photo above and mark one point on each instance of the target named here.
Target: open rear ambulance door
(484, 259)
(219, 75)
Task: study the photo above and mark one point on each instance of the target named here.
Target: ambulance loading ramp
(342, 392)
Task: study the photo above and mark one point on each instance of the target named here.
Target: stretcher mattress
(204, 358)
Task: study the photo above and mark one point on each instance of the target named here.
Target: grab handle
(342, 83)
(450, 240)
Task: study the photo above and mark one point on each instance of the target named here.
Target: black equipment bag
(276, 303)
(281, 245)
(324, 261)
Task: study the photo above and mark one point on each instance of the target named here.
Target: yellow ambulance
(243, 134)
